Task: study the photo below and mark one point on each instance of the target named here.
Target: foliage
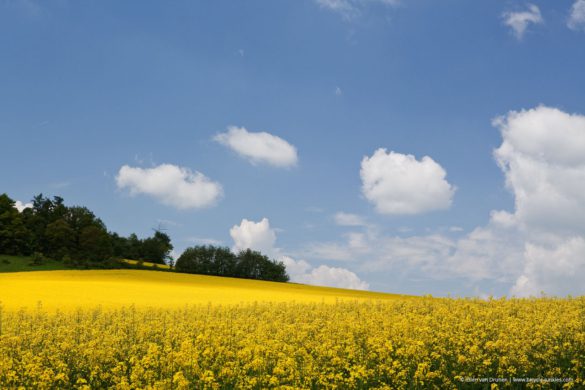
(14, 236)
(425, 343)
(71, 234)
(220, 261)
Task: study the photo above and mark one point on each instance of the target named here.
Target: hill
(25, 263)
(117, 288)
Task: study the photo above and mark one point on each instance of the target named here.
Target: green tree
(157, 249)
(15, 238)
(60, 239)
(207, 260)
(220, 261)
(95, 244)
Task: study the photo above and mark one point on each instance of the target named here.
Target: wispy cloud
(519, 21)
(576, 19)
(349, 9)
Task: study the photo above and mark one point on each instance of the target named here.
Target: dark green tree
(60, 239)
(207, 260)
(95, 244)
(220, 261)
(15, 238)
(156, 249)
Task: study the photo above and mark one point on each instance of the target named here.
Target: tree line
(72, 234)
(221, 261)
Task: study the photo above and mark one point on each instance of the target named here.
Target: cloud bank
(347, 219)
(539, 246)
(259, 148)
(323, 275)
(171, 185)
(261, 237)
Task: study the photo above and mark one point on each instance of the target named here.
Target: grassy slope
(115, 288)
(22, 263)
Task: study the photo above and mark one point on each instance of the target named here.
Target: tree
(207, 260)
(60, 239)
(220, 261)
(94, 244)
(15, 238)
(157, 249)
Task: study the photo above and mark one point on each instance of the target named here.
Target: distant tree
(134, 248)
(254, 265)
(94, 244)
(157, 249)
(224, 261)
(248, 264)
(72, 233)
(207, 260)
(60, 239)
(43, 212)
(15, 238)
(220, 261)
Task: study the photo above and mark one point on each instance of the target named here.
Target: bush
(38, 259)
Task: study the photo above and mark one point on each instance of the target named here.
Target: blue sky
(88, 88)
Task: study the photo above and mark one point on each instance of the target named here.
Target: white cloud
(543, 159)
(576, 19)
(330, 251)
(519, 21)
(302, 272)
(538, 246)
(171, 185)
(257, 236)
(261, 237)
(349, 9)
(21, 206)
(338, 91)
(347, 219)
(557, 269)
(399, 184)
(259, 147)
(204, 241)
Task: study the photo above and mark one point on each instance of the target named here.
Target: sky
(405, 146)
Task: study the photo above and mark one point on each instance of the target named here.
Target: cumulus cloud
(171, 185)
(537, 246)
(261, 237)
(302, 272)
(259, 147)
(257, 236)
(559, 269)
(21, 206)
(349, 9)
(576, 19)
(400, 184)
(543, 158)
(519, 21)
(347, 219)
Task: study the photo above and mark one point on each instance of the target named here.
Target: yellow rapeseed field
(234, 334)
(117, 288)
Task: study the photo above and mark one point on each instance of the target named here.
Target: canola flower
(425, 343)
(67, 290)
